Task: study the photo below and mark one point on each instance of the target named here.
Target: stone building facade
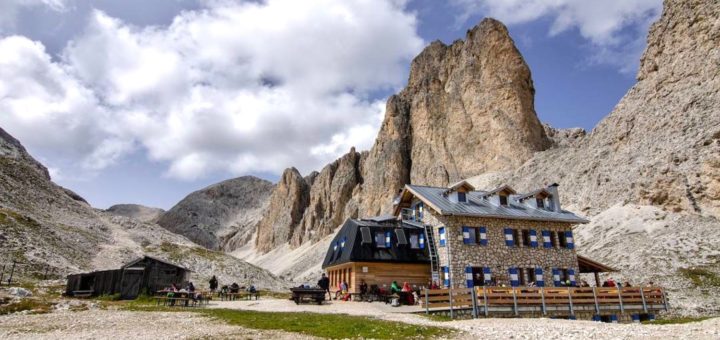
(512, 240)
(497, 255)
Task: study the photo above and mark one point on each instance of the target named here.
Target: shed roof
(587, 265)
(356, 251)
(138, 260)
(478, 206)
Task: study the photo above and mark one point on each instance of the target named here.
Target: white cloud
(249, 87)
(616, 29)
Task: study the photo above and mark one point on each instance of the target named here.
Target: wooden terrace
(592, 303)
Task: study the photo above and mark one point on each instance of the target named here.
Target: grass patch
(701, 277)
(676, 321)
(33, 305)
(326, 325)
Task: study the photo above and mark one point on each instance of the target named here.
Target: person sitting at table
(213, 283)
(406, 287)
(363, 289)
(394, 288)
(191, 287)
(342, 290)
(234, 287)
(434, 285)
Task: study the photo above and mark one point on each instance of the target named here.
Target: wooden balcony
(631, 303)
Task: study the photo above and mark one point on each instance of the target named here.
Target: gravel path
(496, 328)
(112, 324)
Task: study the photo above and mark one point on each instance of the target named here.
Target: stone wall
(497, 255)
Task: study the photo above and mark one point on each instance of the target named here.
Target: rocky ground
(101, 324)
(107, 324)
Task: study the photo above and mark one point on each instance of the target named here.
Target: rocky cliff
(467, 109)
(649, 174)
(226, 212)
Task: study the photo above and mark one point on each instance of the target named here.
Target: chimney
(555, 199)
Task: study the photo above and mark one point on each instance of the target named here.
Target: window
(380, 240)
(516, 237)
(419, 211)
(461, 197)
(540, 203)
(474, 235)
(553, 239)
(441, 232)
(414, 240)
(530, 275)
(562, 240)
(503, 200)
(525, 237)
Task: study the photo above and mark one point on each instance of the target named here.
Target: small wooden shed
(146, 274)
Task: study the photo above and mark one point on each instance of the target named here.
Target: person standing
(213, 284)
(324, 283)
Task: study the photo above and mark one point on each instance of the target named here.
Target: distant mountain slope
(136, 211)
(42, 224)
(226, 212)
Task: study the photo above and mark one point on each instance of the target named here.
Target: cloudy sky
(145, 101)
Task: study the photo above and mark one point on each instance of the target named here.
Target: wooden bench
(82, 293)
(300, 295)
(176, 301)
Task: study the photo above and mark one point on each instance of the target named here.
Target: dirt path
(109, 324)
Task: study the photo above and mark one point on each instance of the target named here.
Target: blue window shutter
(571, 275)
(570, 241)
(539, 280)
(509, 237)
(441, 232)
(469, 277)
(422, 241)
(533, 238)
(487, 275)
(466, 235)
(514, 279)
(483, 236)
(387, 240)
(547, 243)
(446, 276)
(556, 277)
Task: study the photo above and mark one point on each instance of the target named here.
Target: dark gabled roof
(478, 206)
(356, 251)
(136, 261)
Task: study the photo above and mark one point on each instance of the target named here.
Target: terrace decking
(607, 304)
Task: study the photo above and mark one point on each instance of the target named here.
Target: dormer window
(503, 200)
(540, 203)
(461, 197)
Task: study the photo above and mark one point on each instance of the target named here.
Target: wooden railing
(558, 300)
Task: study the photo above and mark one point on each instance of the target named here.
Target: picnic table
(183, 299)
(300, 295)
(239, 295)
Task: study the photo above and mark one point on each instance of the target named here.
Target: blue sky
(137, 102)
